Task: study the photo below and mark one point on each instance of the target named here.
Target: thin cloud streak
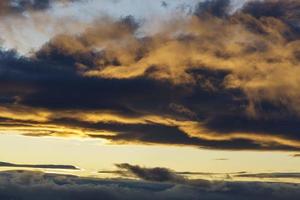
(12, 165)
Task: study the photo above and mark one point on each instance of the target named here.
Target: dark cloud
(271, 175)
(5, 164)
(273, 8)
(184, 175)
(20, 6)
(152, 174)
(285, 10)
(39, 84)
(167, 175)
(217, 8)
(222, 159)
(164, 4)
(35, 185)
(159, 174)
(234, 85)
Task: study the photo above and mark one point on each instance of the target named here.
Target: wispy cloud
(221, 159)
(295, 155)
(161, 174)
(271, 175)
(151, 174)
(70, 167)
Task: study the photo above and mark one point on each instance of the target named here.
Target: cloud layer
(213, 79)
(36, 185)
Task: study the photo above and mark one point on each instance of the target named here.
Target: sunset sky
(167, 96)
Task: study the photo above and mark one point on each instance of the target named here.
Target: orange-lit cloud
(212, 79)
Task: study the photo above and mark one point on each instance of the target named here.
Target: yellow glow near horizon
(92, 155)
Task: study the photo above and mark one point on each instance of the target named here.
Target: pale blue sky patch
(29, 32)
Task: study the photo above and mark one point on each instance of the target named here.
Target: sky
(157, 97)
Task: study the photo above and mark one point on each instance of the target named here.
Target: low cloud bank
(27, 185)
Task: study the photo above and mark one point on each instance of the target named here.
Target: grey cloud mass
(28, 185)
